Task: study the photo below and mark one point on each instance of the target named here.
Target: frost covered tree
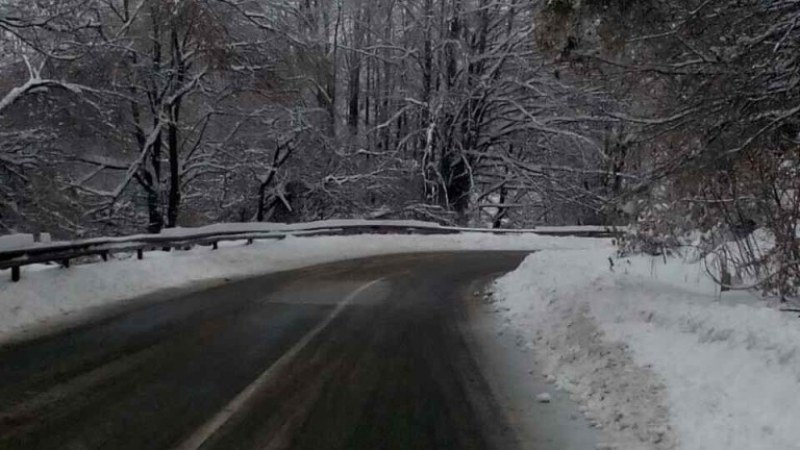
(164, 83)
(188, 112)
(710, 89)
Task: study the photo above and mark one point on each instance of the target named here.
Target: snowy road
(362, 354)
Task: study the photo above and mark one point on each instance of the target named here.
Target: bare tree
(712, 106)
(254, 110)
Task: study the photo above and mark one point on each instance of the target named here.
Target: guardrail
(65, 251)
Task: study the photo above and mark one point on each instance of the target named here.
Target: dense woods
(677, 116)
(710, 90)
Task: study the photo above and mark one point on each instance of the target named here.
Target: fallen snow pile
(13, 241)
(26, 241)
(655, 354)
(48, 294)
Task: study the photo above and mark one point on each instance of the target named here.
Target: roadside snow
(49, 295)
(273, 226)
(26, 241)
(655, 354)
(14, 241)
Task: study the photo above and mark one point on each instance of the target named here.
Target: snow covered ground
(14, 241)
(655, 354)
(657, 357)
(49, 295)
(26, 241)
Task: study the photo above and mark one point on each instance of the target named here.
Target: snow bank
(15, 241)
(26, 241)
(275, 226)
(657, 356)
(48, 294)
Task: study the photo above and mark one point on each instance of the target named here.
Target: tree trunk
(262, 193)
(354, 91)
(174, 200)
(155, 219)
(174, 174)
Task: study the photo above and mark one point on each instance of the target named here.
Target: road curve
(363, 354)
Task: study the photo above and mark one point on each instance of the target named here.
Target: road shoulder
(510, 371)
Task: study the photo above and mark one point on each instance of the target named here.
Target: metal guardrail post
(15, 274)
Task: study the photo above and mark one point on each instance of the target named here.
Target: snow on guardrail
(21, 250)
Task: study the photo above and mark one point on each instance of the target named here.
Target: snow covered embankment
(49, 295)
(657, 357)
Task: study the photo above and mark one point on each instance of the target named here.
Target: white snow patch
(50, 294)
(15, 241)
(655, 353)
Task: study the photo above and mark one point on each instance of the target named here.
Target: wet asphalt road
(389, 370)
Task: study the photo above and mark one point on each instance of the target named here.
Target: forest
(679, 119)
